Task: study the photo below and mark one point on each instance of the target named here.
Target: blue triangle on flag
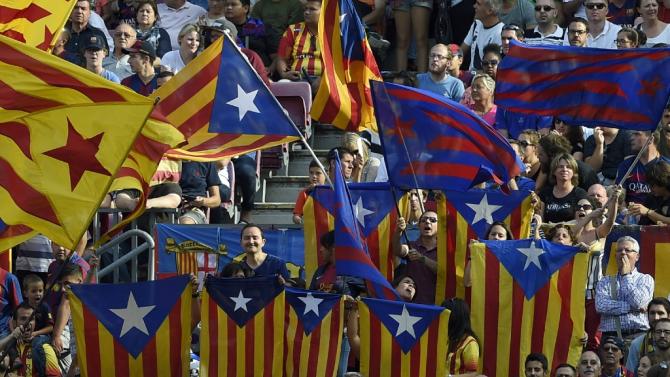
(243, 103)
(311, 307)
(481, 208)
(406, 322)
(530, 262)
(132, 313)
(242, 299)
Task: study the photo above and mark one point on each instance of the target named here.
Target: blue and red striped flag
(351, 255)
(434, 143)
(344, 98)
(589, 86)
(139, 329)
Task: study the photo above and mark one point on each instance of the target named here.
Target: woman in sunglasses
(656, 30)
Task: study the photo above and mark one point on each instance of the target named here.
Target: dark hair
(539, 357)
(164, 73)
(404, 78)
(153, 6)
(459, 322)
(581, 21)
(660, 45)
(631, 34)
(231, 269)
(314, 164)
(340, 151)
(566, 365)
(251, 225)
(70, 269)
(658, 173)
(508, 231)
(327, 240)
(24, 305)
(553, 144)
(31, 279)
(552, 232)
(493, 48)
(664, 302)
(574, 135)
(661, 320)
(515, 28)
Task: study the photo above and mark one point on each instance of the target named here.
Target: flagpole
(635, 161)
(397, 208)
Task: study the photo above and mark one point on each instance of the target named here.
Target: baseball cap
(618, 342)
(94, 42)
(455, 50)
(142, 47)
(224, 25)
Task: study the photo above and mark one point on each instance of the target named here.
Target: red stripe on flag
(297, 346)
(175, 336)
(121, 363)
(220, 139)
(540, 318)
(214, 338)
(431, 362)
(190, 88)
(92, 341)
(517, 318)
(649, 236)
(490, 347)
(333, 333)
(314, 351)
(149, 147)
(268, 338)
(57, 78)
(14, 231)
(231, 352)
(23, 194)
(375, 345)
(149, 359)
(197, 121)
(11, 99)
(249, 350)
(565, 326)
(415, 359)
(396, 371)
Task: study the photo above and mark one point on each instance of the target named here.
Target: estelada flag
(242, 327)
(375, 212)
(222, 106)
(527, 296)
(60, 146)
(468, 215)
(344, 98)
(400, 339)
(313, 337)
(36, 23)
(139, 329)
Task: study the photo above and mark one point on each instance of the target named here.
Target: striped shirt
(298, 46)
(34, 255)
(537, 38)
(466, 357)
(633, 291)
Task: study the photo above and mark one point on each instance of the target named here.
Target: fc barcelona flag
(527, 296)
(400, 339)
(243, 327)
(314, 322)
(375, 212)
(140, 329)
(468, 215)
(654, 253)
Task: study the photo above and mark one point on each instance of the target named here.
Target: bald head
(598, 193)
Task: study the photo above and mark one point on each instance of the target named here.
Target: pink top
(490, 117)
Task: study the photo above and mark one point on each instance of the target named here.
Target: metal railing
(113, 247)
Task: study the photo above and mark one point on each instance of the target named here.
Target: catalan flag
(468, 215)
(344, 97)
(527, 296)
(314, 323)
(139, 329)
(654, 253)
(59, 148)
(243, 327)
(400, 339)
(36, 23)
(222, 106)
(376, 215)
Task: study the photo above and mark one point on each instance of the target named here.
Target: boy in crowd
(33, 290)
(316, 177)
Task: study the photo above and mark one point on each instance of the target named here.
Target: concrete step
(283, 189)
(299, 161)
(326, 137)
(273, 213)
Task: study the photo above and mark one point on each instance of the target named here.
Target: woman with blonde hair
(483, 87)
(189, 44)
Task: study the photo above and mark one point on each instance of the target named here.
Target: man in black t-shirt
(81, 31)
(605, 150)
(199, 183)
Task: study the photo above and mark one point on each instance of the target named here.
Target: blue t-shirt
(111, 76)
(270, 266)
(515, 122)
(11, 298)
(197, 177)
(449, 87)
(636, 186)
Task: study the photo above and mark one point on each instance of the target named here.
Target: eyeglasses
(438, 57)
(662, 332)
(584, 206)
(127, 35)
(429, 220)
(576, 32)
(593, 6)
(621, 42)
(545, 8)
(626, 251)
(611, 349)
(490, 62)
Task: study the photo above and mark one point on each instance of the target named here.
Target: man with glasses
(420, 256)
(641, 346)
(602, 33)
(578, 32)
(117, 61)
(612, 350)
(547, 32)
(437, 80)
(622, 299)
(661, 353)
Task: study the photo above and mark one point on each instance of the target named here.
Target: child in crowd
(316, 177)
(33, 290)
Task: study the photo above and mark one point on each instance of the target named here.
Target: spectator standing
(81, 32)
(463, 352)
(175, 14)
(189, 43)
(117, 61)
(547, 32)
(641, 346)
(485, 30)
(519, 13)
(602, 33)
(146, 18)
(605, 150)
(277, 15)
(656, 30)
(437, 80)
(33, 257)
(10, 299)
(94, 54)
(412, 18)
(199, 182)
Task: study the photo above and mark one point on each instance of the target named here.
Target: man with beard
(437, 80)
(578, 33)
(661, 355)
(612, 350)
(658, 308)
(421, 256)
(589, 365)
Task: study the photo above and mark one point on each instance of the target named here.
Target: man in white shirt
(174, 14)
(485, 30)
(547, 32)
(602, 33)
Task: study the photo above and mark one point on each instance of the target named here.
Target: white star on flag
(240, 302)
(311, 304)
(405, 321)
(361, 211)
(532, 254)
(133, 316)
(483, 210)
(244, 102)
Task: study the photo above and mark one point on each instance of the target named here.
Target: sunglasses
(611, 349)
(545, 8)
(490, 62)
(584, 206)
(429, 220)
(593, 6)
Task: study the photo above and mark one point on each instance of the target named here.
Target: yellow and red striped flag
(527, 296)
(344, 98)
(314, 323)
(36, 23)
(222, 107)
(59, 148)
(242, 327)
(139, 329)
(468, 216)
(401, 339)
